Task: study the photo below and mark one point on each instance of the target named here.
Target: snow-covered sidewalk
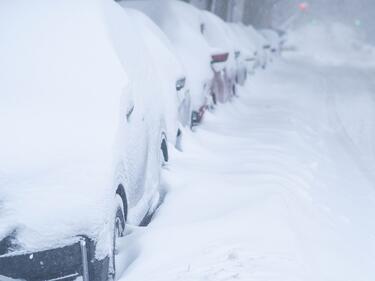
(276, 185)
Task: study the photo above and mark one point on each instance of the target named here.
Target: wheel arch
(122, 193)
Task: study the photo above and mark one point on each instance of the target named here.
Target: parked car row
(93, 93)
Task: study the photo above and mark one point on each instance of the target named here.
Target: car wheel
(179, 140)
(214, 99)
(118, 231)
(234, 90)
(164, 151)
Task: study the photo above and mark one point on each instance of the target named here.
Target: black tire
(214, 99)
(164, 150)
(179, 140)
(118, 231)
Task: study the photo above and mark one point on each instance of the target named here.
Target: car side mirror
(180, 84)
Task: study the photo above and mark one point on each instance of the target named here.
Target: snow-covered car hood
(42, 211)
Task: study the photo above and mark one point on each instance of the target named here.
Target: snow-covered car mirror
(180, 84)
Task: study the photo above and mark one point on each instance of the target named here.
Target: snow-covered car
(83, 135)
(181, 23)
(239, 55)
(171, 88)
(219, 37)
(283, 36)
(247, 51)
(262, 46)
(273, 40)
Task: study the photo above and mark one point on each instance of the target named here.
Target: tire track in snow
(342, 132)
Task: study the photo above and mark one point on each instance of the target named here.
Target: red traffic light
(303, 6)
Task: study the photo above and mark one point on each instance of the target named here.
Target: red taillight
(219, 57)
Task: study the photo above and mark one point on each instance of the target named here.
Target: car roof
(58, 72)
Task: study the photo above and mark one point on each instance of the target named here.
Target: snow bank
(265, 190)
(269, 187)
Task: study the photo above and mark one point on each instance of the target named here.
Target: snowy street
(277, 185)
(187, 140)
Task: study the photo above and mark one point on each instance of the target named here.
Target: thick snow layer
(246, 45)
(244, 42)
(273, 186)
(182, 24)
(272, 37)
(166, 67)
(60, 84)
(259, 41)
(69, 74)
(220, 37)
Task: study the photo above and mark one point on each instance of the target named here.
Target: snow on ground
(276, 185)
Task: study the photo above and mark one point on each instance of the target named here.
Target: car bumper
(64, 263)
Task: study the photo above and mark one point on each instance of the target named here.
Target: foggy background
(360, 14)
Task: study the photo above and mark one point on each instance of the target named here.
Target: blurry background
(360, 14)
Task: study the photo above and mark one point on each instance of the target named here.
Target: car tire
(164, 151)
(179, 140)
(214, 98)
(118, 231)
(234, 91)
